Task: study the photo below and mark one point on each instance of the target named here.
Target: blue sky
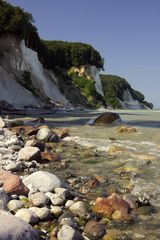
(125, 32)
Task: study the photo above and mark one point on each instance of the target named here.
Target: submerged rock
(94, 229)
(126, 129)
(112, 207)
(107, 118)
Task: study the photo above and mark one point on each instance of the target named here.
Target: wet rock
(116, 149)
(27, 216)
(126, 129)
(42, 213)
(11, 227)
(42, 181)
(147, 193)
(107, 206)
(106, 118)
(29, 153)
(94, 230)
(39, 199)
(50, 156)
(14, 205)
(54, 138)
(62, 133)
(68, 233)
(78, 209)
(44, 134)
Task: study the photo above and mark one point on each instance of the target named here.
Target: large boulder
(12, 227)
(107, 118)
(42, 181)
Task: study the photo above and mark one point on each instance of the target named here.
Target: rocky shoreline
(45, 206)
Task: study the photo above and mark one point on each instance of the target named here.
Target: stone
(35, 143)
(69, 203)
(2, 123)
(42, 181)
(29, 153)
(68, 233)
(78, 209)
(67, 221)
(62, 132)
(39, 199)
(3, 200)
(126, 129)
(94, 229)
(14, 167)
(106, 118)
(54, 138)
(14, 205)
(27, 216)
(56, 211)
(107, 206)
(12, 183)
(11, 227)
(116, 149)
(63, 192)
(42, 213)
(44, 134)
(50, 156)
(57, 200)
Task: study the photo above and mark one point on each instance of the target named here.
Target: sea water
(140, 157)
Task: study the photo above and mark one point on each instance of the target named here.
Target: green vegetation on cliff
(55, 55)
(114, 87)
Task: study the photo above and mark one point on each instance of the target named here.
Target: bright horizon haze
(125, 32)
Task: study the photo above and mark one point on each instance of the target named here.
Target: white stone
(14, 205)
(29, 153)
(78, 208)
(43, 134)
(68, 233)
(39, 199)
(27, 216)
(56, 210)
(42, 213)
(42, 181)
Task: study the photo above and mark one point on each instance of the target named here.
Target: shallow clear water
(137, 165)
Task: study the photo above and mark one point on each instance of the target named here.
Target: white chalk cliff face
(45, 84)
(129, 103)
(15, 58)
(98, 84)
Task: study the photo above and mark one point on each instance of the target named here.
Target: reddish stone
(13, 184)
(101, 207)
(49, 156)
(107, 206)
